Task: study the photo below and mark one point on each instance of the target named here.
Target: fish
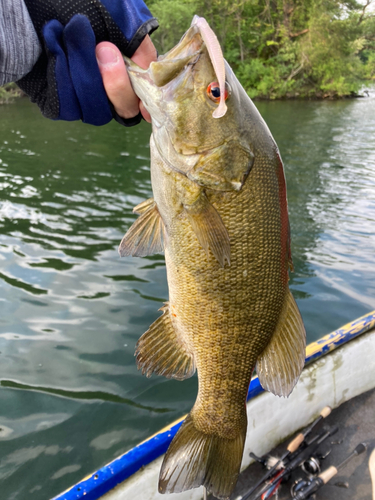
(219, 213)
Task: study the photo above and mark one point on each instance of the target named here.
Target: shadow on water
(84, 395)
(71, 398)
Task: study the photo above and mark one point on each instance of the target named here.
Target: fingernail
(106, 56)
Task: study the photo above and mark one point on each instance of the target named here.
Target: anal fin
(145, 236)
(281, 363)
(160, 351)
(209, 228)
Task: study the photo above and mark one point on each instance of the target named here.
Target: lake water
(71, 398)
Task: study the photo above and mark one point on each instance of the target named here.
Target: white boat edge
(348, 370)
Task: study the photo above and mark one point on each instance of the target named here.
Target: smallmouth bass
(219, 212)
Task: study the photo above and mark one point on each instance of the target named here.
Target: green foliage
(8, 92)
(370, 64)
(174, 19)
(283, 48)
(367, 50)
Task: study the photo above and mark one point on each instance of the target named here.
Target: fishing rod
(276, 480)
(299, 459)
(292, 447)
(306, 489)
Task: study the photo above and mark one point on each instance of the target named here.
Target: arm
(19, 44)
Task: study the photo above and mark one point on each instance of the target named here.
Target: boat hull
(338, 367)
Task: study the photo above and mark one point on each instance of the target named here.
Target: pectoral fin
(142, 207)
(209, 228)
(281, 363)
(160, 350)
(145, 236)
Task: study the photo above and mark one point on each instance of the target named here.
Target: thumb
(116, 80)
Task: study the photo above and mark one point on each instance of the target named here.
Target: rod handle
(328, 474)
(295, 444)
(326, 411)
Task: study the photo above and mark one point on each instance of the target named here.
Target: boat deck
(356, 422)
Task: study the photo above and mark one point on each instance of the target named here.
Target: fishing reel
(304, 489)
(312, 466)
(261, 460)
(300, 486)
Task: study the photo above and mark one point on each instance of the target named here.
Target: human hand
(66, 82)
(116, 80)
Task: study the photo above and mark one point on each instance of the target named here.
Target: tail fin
(195, 458)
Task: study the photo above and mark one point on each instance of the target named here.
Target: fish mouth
(168, 66)
(150, 84)
(190, 44)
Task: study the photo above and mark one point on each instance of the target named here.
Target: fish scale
(219, 211)
(213, 305)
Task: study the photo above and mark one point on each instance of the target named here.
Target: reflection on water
(71, 398)
(86, 395)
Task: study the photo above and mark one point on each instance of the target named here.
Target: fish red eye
(213, 91)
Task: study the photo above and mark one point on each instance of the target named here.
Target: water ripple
(17, 283)
(72, 310)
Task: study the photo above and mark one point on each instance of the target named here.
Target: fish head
(181, 92)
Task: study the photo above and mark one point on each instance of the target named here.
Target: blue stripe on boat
(109, 476)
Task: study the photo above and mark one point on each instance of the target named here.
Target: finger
(145, 54)
(116, 80)
(146, 115)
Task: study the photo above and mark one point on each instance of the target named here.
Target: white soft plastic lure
(217, 59)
